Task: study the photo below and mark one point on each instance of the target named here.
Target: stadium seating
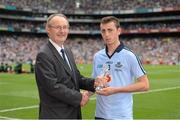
(149, 27)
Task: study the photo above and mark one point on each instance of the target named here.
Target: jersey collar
(118, 49)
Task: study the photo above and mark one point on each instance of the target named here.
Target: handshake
(99, 83)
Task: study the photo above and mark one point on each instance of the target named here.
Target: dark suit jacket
(59, 87)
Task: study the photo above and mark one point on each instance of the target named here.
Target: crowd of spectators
(35, 26)
(15, 48)
(156, 50)
(24, 48)
(22, 24)
(19, 49)
(150, 50)
(148, 26)
(89, 6)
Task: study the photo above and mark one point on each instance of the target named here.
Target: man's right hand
(85, 98)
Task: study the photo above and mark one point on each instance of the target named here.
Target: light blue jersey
(124, 67)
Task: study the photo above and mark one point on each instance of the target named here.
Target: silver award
(105, 73)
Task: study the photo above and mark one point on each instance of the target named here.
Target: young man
(126, 71)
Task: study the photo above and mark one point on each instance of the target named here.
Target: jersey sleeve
(137, 69)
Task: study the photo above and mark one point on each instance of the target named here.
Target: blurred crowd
(19, 49)
(89, 26)
(88, 6)
(24, 48)
(148, 26)
(14, 48)
(156, 50)
(150, 50)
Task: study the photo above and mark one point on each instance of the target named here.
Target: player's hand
(107, 91)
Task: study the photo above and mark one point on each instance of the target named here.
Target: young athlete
(126, 71)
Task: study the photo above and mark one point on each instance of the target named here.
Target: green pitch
(19, 97)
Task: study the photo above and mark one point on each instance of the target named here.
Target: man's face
(110, 33)
(58, 29)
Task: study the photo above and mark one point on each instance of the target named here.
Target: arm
(86, 83)
(142, 84)
(83, 82)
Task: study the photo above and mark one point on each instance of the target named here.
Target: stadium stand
(150, 28)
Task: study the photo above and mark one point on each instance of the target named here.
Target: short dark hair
(108, 19)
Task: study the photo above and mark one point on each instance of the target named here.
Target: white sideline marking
(158, 90)
(8, 118)
(19, 108)
(150, 91)
(93, 98)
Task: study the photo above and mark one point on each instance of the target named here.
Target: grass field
(19, 96)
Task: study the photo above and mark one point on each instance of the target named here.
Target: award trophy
(105, 73)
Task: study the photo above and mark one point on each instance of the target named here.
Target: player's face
(58, 29)
(110, 33)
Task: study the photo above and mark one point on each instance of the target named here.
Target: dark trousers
(98, 118)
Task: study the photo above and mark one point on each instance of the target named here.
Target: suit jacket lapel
(71, 59)
(60, 59)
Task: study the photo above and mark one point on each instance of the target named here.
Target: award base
(99, 88)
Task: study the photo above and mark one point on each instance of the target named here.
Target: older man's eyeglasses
(59, 27)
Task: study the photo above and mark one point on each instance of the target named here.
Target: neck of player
(112, 47)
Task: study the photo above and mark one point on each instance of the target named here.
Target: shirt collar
(58, 48)
(118, 49)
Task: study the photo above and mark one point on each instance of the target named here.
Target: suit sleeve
(47, 81)
(84, 82)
